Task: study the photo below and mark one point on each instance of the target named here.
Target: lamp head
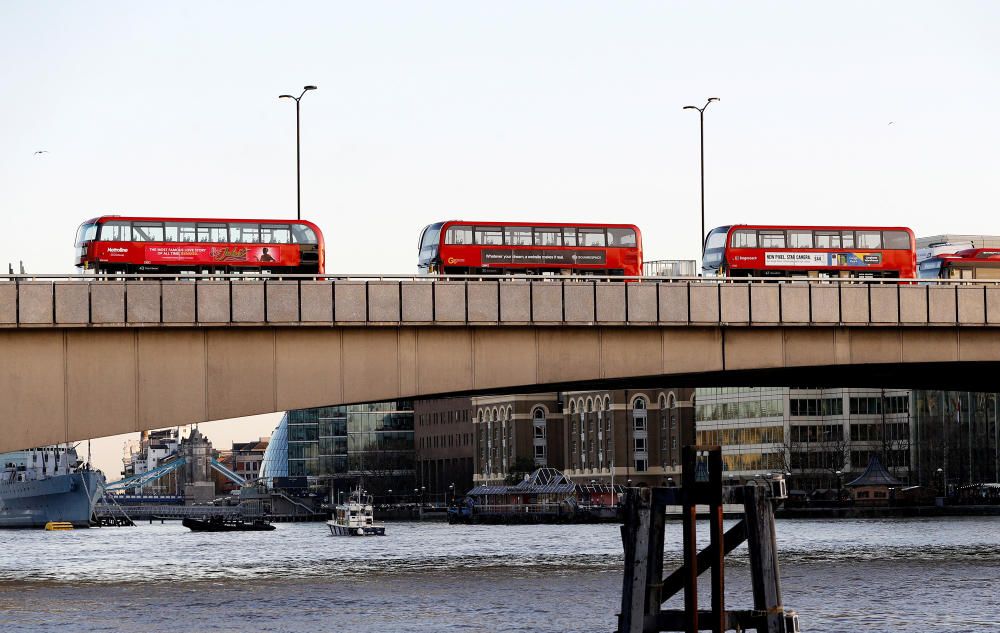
(711, 99)
(285, 97)
(689, 108)
(309, 87)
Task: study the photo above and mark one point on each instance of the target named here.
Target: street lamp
(701, 122)
(298, 153)
(940, 472)
(451, 490)
(839, 474)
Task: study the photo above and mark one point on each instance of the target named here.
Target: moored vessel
(44, 485)
(356, 517)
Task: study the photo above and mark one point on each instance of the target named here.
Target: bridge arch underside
(59, 385)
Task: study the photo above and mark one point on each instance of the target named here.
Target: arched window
(639, 414)
(540, 431)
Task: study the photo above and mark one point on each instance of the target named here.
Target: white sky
(485, 110)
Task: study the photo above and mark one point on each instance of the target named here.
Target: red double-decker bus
(117, 244)
(969, 263)
(460, 247)
(746, 250)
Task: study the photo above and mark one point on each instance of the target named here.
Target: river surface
(940, 574)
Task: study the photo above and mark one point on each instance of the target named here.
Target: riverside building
(816, 436)
(606, 436)
(445, 448)
(333, 449)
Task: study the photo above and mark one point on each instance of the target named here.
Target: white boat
(355, 517)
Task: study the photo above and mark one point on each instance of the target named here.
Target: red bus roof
(142, 218)
(603, 225)
(971, 254)
(817, 227)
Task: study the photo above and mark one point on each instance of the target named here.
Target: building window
(640, 444)
(640, 464)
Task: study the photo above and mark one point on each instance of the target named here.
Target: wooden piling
(645, 589)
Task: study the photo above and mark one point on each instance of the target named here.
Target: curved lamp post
(298, 153)
(701, 122)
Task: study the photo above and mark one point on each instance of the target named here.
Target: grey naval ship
(47, 484)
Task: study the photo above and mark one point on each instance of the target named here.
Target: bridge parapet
(85, 301)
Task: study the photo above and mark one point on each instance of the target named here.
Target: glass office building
(344, 446)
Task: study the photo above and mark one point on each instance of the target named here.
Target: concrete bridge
(82, 357)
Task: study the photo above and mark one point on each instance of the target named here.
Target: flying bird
(891, 122)
(41, 151)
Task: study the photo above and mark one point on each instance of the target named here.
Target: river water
(939, 574)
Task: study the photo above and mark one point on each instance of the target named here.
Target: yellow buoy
(58, 525)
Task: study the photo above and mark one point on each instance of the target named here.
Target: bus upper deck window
(800, 239)
(896, 240)
(275, 234)
(517, 235)
(621, 237)
(116, 231)
(489, 235)
(592, 237)
(847, 239)
(458, 235)
(86, 233)
(868, 239)
(742, 238)
(569, 236)
(147, 231)
(772, 239)
(827, 239)
(302, 234)
(548, 237)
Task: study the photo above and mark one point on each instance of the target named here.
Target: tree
(522, 466)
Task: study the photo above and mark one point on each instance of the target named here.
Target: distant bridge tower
(199, 485)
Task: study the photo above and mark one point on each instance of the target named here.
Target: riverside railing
(482, 300)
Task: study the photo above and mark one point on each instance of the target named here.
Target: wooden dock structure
(645, 588)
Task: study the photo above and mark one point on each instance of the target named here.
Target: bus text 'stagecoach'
(458, 247)
(817, 251)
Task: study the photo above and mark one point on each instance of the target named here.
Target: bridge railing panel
(546, 302)
(107, 303)
(449, 302)
(213, 302)
(384, 302)
(971, 305)
(854, 304)
(673, 300)
(992, 305)
(142, 303)
(350, 301)
(795, 303)
(704, 303)
(417, 301)
(824, 306)
(282, 302)
(884, 303)
(515, 302)
(913, 305)
(484, 302)
(8, 303)
(72, 303)
(610, 303)
(642, 308)
(735, 304)
(765, 304)
(942, 306)
(248, 301)
(316, 301)
(180, 302)
(578, 300)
